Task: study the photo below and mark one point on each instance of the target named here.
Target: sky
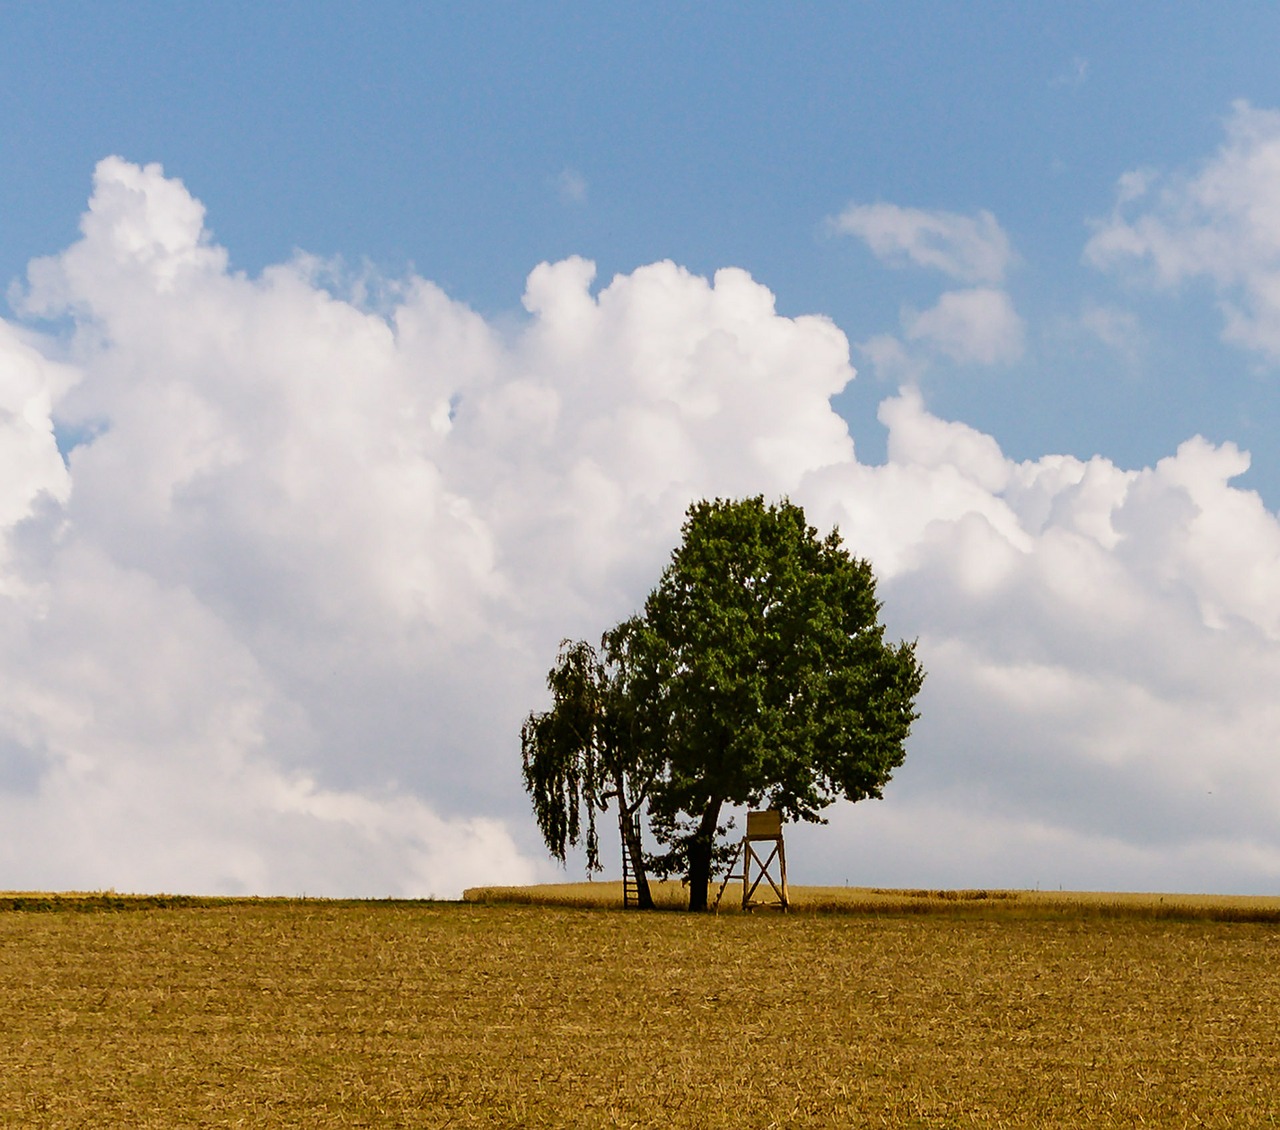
(352, 356)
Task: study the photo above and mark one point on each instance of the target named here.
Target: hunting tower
(763, 828)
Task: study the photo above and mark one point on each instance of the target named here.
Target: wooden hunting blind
(763, 828)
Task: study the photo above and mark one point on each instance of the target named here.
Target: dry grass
(875, 900)
(278, 1013)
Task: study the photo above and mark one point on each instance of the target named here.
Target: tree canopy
(585, 752)
(757, 674)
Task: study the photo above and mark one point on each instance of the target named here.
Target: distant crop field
(874, 900)
(171, 1012)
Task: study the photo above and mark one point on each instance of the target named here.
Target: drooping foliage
(586, 752)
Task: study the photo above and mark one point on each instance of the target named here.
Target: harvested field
(874, 900)
(314, 1013)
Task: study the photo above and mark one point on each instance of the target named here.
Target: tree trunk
(700, 850)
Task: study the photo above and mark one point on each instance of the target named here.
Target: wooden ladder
(630, 884)
(729, 877)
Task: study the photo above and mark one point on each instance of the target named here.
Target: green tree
(586, 751)
(761, 665)
(757, 674)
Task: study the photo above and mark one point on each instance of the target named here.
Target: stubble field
(929, 1010)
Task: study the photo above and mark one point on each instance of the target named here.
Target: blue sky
(1040, 231)
(439, 138)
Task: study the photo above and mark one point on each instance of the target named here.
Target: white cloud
(977, 325)
(273, 625)
(974, 325)
(1099, 645)
(969, 248)
(384, 525)
(1116, 328)
(1222, 222)
(892, 360)
(30, 466)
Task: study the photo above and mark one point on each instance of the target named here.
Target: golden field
(895, 1009)
(874, 900)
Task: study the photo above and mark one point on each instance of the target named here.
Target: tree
(758, 673)
(586, 751)
(760, 663)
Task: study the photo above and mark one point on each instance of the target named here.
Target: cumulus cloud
(272, 623)
(974, 326)
(892, 361)
(972, 249)
(1099, 642)
(30, 466)
(300, 580)
(1220, 222)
